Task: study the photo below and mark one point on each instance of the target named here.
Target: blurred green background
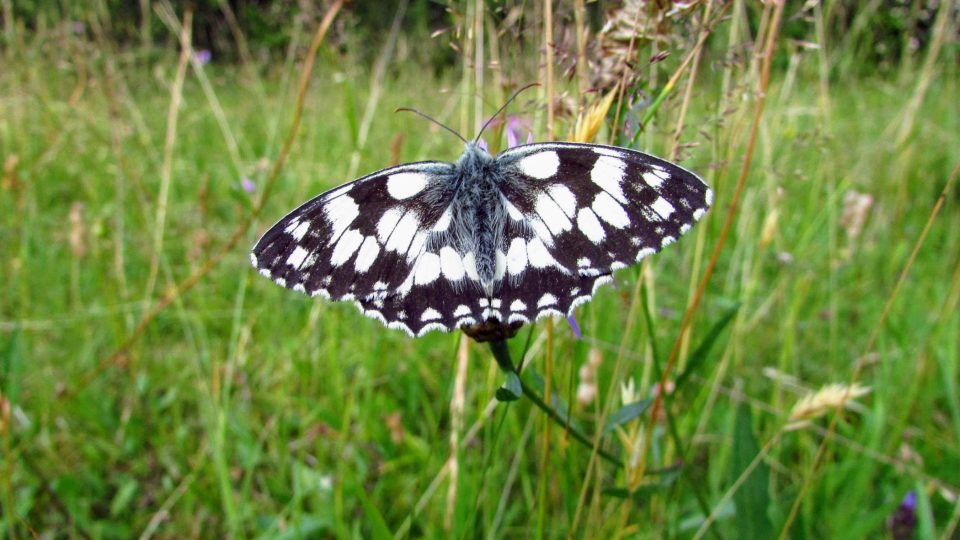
(152, 385)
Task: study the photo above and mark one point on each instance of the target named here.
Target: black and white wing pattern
(577, 212)
(487, 241)
(361, 241)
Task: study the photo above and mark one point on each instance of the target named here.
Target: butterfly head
(474, 158)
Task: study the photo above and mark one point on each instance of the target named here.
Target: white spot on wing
(499, 266)
(515, 214)
(551, 214)
(430, 314)
(652, 180)
(540, 165)
(541, 230)
(470, 265)
(298, 229)
(518, 305)
(388, 222)
(340, 213)
(349, 243)
(643, 253)
(698, 213)
(564, 198)
(403, 233)
(297, 256)
(406, 184)
(444, 221)
(662, 207)
(517, 256)
(367, 255)
(414, 250)
(538, 255)
(610, 210)
(461, 311)
(546, 300)
(608, 173)
(451, 264)
(338, 192)
(428, 268)
(604, 151)
(709, 196)
(590, 226)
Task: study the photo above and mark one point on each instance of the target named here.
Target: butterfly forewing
(354, 240)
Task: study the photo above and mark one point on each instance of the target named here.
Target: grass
(246, 410)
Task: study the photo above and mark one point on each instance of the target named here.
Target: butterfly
(485, 244)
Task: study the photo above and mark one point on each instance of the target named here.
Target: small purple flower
(203, 56)
(512, 132)
(574, 326)
(903, 521)
(77, 27)
(248, 185)
(631, 121)
(514, 129)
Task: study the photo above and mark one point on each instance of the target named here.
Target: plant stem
(502, 354)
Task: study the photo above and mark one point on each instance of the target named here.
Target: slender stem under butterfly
(502, 107)
(502, 354)
(434, 120)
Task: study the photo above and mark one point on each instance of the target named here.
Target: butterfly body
(477, 211)
(487, 241)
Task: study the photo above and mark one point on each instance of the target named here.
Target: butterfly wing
(367, 241)
(577, 212)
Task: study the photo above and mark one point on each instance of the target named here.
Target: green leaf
(123, 497)
(667, 476)
(753, 498)
(557, 403)
(10, 366)
(374, 518)
(627, 413)
(305, 527)
(511, 389)
(700, 353)
(924, 512)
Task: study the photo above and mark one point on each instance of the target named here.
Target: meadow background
(152, 385)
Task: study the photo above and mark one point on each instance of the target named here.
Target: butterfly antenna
(434, 120)
(504, 106)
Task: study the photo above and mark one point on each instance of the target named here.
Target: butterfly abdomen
(478, 204)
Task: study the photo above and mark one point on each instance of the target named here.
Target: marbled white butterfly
(487, 243)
